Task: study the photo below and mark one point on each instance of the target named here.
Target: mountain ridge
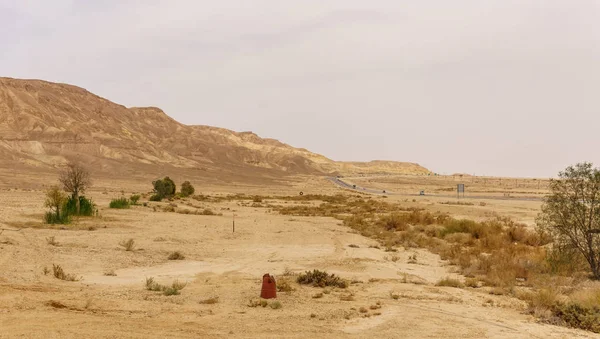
(45, 124)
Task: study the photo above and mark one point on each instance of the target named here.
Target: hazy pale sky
(497, 87)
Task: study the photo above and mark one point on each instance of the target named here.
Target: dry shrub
(275, 305)
(393, 222)
(52, 241)
(284, 285)
(128, 245)
(210, 301)
(347, 297)
(176, 256)
(59, 273)
(449, 282)
(321, 279)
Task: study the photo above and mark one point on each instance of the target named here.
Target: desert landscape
(356, 250)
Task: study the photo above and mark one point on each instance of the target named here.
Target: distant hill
(45, 124)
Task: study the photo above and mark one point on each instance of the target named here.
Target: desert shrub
(176, 256)
(394, 222)
(59, 273)
(55, 200)
(120, 203)
(52, 241)
(164, 188)
(86, 207)
(284, 285)
(128, 245)
(579, 316)
(321, 279)
(155, 197)
(275, 305)
(543, 299)
(207, 211)
(134, 199)
(187, 189)
(51, 218)
(209, 301)
(449, 282)
(176, 286)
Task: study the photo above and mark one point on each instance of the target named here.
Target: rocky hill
(45, 124)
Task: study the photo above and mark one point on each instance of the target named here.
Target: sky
(496, 87)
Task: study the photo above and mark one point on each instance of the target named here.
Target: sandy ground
(229, 266)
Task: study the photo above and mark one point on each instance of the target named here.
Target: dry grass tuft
(52, 241)
(59, 273)
(176, 256)
(284, 285)
(449, 282)
(210, 301)
(128, 245)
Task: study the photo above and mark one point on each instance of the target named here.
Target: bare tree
(75, 179)
(571, 213)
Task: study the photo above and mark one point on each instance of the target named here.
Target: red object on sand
(269, 287)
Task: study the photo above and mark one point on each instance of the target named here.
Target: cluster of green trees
(166, 188)
(75, 180)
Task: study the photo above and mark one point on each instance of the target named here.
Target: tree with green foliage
(571, 213)
(164, 188)
(187, 189)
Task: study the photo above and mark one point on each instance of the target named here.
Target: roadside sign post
(460, 188)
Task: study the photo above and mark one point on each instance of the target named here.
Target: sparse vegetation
(128, 245)
(120, 203)
(449, 282)
(174, 289)
(284, 285)
(59, 273)
(55, 200)
(210, 301)
(176, 256)
(321, 279)
(134, 199)
(163, 188)
(275, 305)
(52, 241)
(187, 189)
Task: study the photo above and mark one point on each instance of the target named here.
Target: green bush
(134, 199)
(164, 188)
(119, 203)
(52, 218)
(86, 207)
(187, 189)
(155, 197)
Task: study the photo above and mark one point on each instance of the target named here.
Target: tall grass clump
(87, 207)
(120, 203)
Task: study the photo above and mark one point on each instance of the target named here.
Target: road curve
(343, 184)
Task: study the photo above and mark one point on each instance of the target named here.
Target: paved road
(357, 188)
